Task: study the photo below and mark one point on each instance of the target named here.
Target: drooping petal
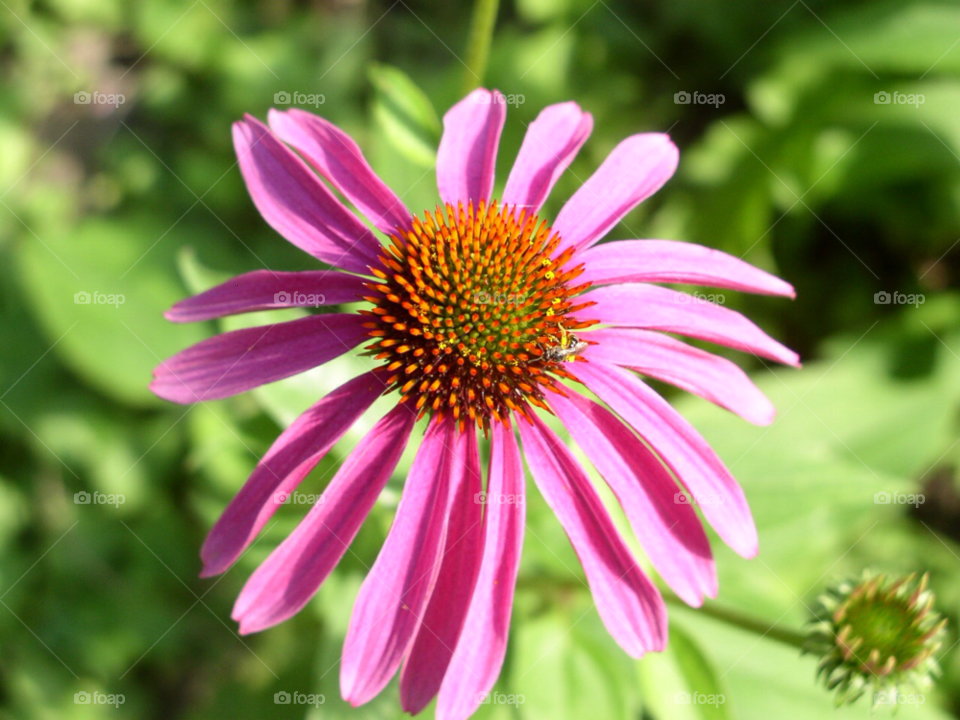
(293, 200)
(692, 369)
(293, 455)
(633, 171)
(392, 600)
(688, 455)
(233, 362)
(426, 662)
(667, 528)
(629, 604)
(290, 576)
(266, 290)
(339, 159)
(656, 308)
(550, 145)
(676, 262)
(482, 645)
(467, 155)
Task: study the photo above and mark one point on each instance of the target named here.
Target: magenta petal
(233, 362)
(293, 455)
(293, 200)
(290, 576)
(394, 596)
(550, 145)
(429, 655)
(688, 455)
(669, 531)
(267, 290)
(670, 360)
(482, 645)
(467, 155)
(657, 308)
(633, 171)
(676, 262)
(339, 159)
(629, 605)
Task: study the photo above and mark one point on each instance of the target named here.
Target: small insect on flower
(570, 346)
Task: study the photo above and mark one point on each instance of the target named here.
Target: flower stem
(552, 586)
(743, 621)
(478, 44)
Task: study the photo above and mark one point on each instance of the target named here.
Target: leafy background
(799, 171)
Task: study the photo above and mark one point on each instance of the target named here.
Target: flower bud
(877, 632)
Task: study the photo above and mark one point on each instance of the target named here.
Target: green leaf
(767, 679)
(566, 666)
(113, 345)
(681, 683)
(404, 114)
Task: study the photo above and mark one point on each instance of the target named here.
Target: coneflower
(482, 315)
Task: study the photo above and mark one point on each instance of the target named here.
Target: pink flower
(480, 314)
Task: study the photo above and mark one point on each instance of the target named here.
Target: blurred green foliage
(799, 171)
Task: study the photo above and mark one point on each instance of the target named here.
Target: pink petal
(550, 145)
(657, 308)
(233, 362)
(394, 596)
(293, 200)
(265, 290)
(294, 454)
(429, 656)
(697, 371)
(682, 448)
(669, 531)
(482, 645)
(632, 172)
(339, 159)
(467, 155)
(676, 262)
(629, 605)
(290, 576)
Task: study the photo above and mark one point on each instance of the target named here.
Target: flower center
(472, 314)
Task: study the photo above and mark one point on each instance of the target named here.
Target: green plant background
(799, 171)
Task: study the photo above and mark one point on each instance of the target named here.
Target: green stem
(478, 44)
(742, 621)
(737, 619)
